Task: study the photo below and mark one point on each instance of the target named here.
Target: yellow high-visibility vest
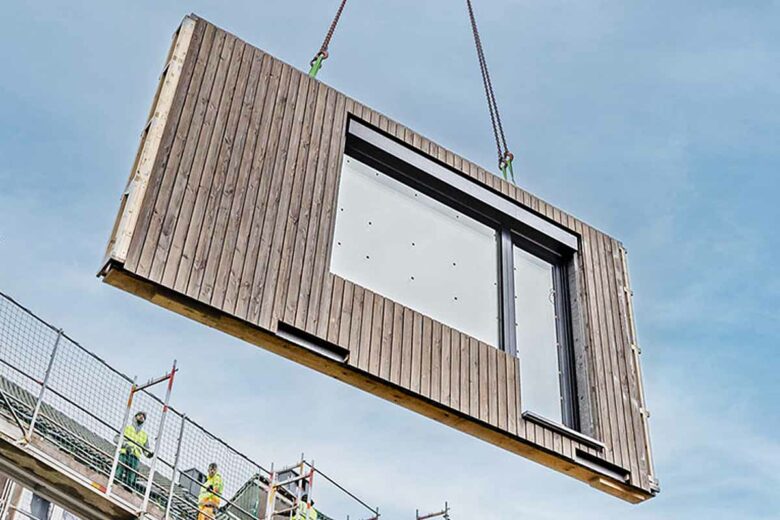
(138, 437)
(303, 514)
(215, 483)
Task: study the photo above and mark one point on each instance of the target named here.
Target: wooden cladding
(234, 227)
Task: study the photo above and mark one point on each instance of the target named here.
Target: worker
(305, 510)
(210, 493)
(135, 442)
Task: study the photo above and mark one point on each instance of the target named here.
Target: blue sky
(658, 122)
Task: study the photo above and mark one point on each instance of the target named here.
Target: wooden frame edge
(151, 137)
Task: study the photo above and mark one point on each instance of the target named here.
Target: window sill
(563, 430)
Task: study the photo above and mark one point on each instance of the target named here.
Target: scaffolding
(59, 394)
(444, 514)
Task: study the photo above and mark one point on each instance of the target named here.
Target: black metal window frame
(514, 225)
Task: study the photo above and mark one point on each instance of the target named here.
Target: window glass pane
(536, 335)
(417, 251)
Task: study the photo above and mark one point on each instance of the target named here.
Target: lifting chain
(322, 54)
(505, 157)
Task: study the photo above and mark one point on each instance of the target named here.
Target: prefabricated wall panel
(228, 218)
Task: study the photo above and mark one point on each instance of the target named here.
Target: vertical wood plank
(633, 385)
(409, 136)
(436, 355)
(374, 118)
(592, 355)
(320, 291)
(557, 442)
(193, 277)
(139, 255)
(615, 374)
(232, 179)
(425, 145)
(238, 283)
(183, 238)
(346, 320)
(386, 354)
(275, 106)
(294, 290)
(465, 371)
(473, 374)
(376, 336)
(456, 372)
(290, 222)
(365, 331)
(357, 321)
(396, 360)
(383, 124)
(240, 201)
(493, 387)
(426, 355)
(277, 204)
(200, 178)
(623, 349)
(166, 142)
(446, 365)
(304, 315)
(406, 349)
(276, 270)
(392, 126)
(416, 352)
(484, 380)
(398, 131)
(613, 453)
(201, 120)
(566, 447)
(196, 231)
(252, 279)
(527, 427)
(547, 436)
(501, 390)
(512, 396)
(332, 317)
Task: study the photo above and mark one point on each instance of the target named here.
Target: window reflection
(417, 251)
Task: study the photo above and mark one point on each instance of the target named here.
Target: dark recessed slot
(311, 342)
(601, 466)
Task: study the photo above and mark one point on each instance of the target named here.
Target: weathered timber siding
(239, 215)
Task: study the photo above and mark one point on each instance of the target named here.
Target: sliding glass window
(415, 232)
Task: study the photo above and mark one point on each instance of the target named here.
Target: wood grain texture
(238, 221)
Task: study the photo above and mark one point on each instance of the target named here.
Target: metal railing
(54, 389)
